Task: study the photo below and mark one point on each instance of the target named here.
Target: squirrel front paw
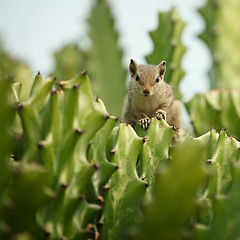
(144, 122)
(161, 114)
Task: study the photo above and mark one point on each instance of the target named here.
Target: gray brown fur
(147, 98)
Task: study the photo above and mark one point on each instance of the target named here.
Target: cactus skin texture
(222, 37)
(168, 46)
(160, 218)
(79, 175)
(216, 108)
(105, 58)
(17, 71)
(155, 150)
(126, 188)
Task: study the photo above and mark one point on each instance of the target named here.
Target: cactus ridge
(168, 46)
(216, 108)
(95, 177)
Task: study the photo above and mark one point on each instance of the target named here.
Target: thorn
(116, 119)
(12, 156)
(215, 31)
(169, 158)
(89, 228)
(213, 128)
(97, 236)
(217, 59)
(173, 43)
(95, 167)
(223, 129)
(172, 67)
(19, 107)
(174, 19)
(63, 185)
(143, 178)
(216, 4)
(105, 188)
(38, 73)
(107, 117)
(53, 91)
(101, 199)
(209, 161)
(121, 121)
(78, 131)
(40, 145)
(53, 78)
(100, 223)
(112, 152)
(81, 197)
(144, 139)
(147, 184)
(116, 167)
(76, 86)
(97, 98)
(83, 73)
(46, 233)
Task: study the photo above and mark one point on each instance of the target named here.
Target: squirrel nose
(146, 92)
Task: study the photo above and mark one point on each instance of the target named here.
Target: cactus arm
(216, 108)
(168, 46)
(125, 187)
(155, 149)
(160, 218)
(222, 37)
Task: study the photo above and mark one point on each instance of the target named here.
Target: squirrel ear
(162, 68)
(133, 67)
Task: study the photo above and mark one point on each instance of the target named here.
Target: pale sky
(32, 30)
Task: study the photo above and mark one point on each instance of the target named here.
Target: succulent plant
(221, 36)
(168, 46)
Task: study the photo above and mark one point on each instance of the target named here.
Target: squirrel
(148, 95)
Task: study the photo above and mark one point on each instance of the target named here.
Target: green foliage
(216, 108)
(168, 46)
(222, 37)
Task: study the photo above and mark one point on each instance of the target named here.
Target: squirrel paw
(144, 122)
(161, 114)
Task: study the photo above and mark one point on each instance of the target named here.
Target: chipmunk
(148, 95)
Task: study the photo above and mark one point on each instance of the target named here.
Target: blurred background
(33, 31)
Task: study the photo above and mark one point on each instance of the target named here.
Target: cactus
(90, 175)
(18, 71)
(168, 46)
(105, 58)
(222, 37)
(216, 108)
(69, 60)
(74, 173)
(160, 218)
(156, 149)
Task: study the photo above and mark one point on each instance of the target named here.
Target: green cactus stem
(168, 46)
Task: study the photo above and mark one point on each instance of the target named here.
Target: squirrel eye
(157, 79)
(137, 77)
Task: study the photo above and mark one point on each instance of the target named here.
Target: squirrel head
(146, 79)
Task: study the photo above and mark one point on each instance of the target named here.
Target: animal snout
(146, 92)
